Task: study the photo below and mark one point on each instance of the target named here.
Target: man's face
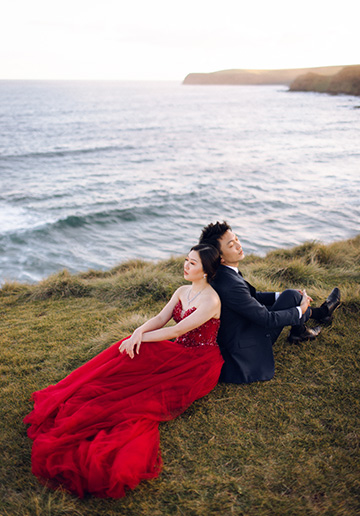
(230, 248)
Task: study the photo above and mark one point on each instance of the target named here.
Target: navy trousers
(288, 299)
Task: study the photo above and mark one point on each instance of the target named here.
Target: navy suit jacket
(244, 337)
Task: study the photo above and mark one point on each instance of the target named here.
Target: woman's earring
(205, 275)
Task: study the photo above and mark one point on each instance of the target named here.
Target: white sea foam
(13, 218)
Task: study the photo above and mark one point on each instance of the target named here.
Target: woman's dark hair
(213, 232)
(210, 259)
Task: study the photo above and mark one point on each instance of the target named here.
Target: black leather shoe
(330, 305)
(307, 334)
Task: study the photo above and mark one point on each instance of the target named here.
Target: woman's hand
(131, 344)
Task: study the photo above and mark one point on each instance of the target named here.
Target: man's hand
(305, 302)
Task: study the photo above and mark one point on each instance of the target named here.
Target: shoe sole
(296, 340)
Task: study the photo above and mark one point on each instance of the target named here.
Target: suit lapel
(252, 289)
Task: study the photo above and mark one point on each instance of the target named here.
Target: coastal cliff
(346, 81)
(256, 77)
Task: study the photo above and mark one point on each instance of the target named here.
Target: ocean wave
(23, 198)
(71, 152)
(101, 218)
(113, 216)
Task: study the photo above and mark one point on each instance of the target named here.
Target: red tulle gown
(97, 432)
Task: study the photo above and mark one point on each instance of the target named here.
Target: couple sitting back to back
(96, 431)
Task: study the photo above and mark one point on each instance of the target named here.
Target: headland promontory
(345, 81)
(326, 79)
(256, 77)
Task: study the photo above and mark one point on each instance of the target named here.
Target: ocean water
(96, 173)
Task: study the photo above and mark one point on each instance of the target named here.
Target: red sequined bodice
(204, 335)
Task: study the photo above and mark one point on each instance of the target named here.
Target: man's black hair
(213, 232)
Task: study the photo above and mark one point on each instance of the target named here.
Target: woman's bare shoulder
(213, 295)
(182, 289)
(213, 292)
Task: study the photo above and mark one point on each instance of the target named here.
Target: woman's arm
(210, 307)
(207, 310)
(152, 324)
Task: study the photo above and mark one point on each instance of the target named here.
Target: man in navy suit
(251, 321)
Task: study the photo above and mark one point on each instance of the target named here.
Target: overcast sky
(167, 39)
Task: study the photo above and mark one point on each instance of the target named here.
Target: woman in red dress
(96, 431)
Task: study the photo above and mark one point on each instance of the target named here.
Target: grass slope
(285, 447)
